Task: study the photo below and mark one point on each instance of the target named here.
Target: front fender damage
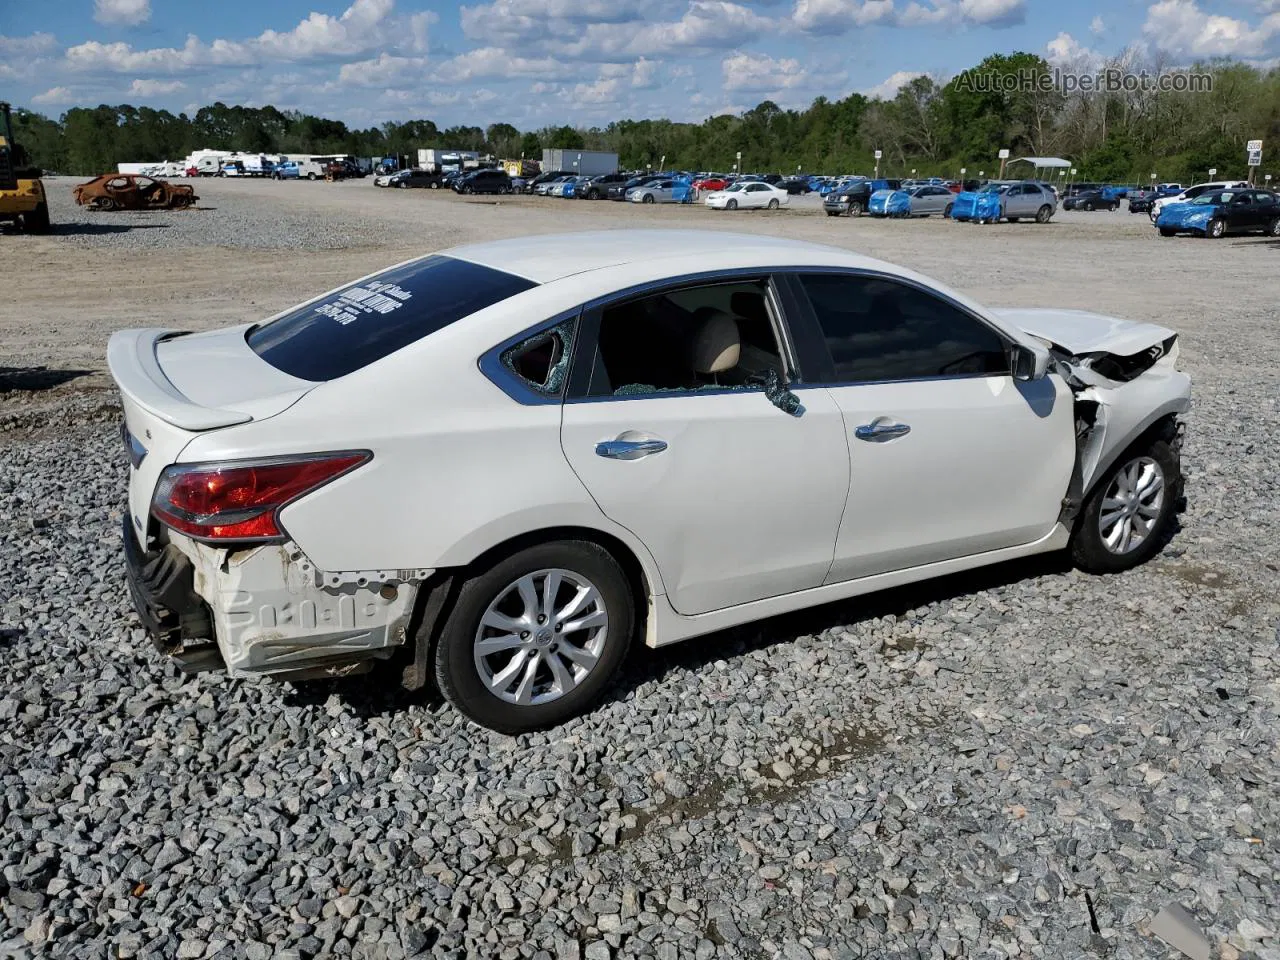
(1119, 398)
(275, 613)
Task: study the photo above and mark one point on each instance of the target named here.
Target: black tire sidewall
(455, 669)
(1087, 549)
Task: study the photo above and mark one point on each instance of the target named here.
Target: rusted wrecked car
(127, 191)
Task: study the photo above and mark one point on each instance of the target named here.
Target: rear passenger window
(542, 360)
(878, 329)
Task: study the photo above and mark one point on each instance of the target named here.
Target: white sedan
(745, 195)
(497, 466)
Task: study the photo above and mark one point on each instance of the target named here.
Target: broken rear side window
(366, 321)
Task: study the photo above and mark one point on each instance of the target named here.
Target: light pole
(879, 154)
(737, 163)
(662, 164)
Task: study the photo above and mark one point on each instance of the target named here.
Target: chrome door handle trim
(880, 432)
(629, 449)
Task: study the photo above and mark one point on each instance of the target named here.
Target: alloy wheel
(541, 637)
(1132, 505)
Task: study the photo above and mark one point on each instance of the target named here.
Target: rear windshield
(369, 320)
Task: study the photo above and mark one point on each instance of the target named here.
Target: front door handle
(878, 431)
(621, 449)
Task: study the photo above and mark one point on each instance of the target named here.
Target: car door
(949, 455)
(736, 499)
(930, 201)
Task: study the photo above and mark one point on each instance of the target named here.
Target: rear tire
(1148, 462)
(458, 666)
(311, 176)
(104, 203)
(1044, 213)
(1273, 228)
(947, 212)
(1215, 229)
(773, 204)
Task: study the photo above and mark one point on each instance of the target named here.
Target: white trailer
(206, 163)
(444, 161)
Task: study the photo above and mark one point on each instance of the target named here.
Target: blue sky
(537, 62)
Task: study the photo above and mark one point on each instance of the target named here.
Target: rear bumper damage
(266, 610)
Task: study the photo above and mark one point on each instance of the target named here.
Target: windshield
(734, 187)
(994, 188)
(371, 319)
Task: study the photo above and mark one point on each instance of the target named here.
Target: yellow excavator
(22, 198)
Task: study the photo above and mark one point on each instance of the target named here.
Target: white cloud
(30, 46)
(1064, 50)
(54, 95)
(129, 12)
(604, 90)
(839, 16)
(1097, 27)
(602, 32)
(155, 88)
(888, 88)
(761, 73)
(365, 26)
(385, 71)
(1181, 28)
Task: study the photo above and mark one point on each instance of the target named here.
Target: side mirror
(1029, 362)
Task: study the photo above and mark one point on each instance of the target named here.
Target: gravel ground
(1021, 762)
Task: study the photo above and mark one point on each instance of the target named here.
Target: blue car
(1216, 213)
(889, 203)
(287, 170)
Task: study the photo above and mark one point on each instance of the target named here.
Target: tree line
(933, 128)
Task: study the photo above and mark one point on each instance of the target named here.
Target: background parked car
(655, 191)
(748, 196)
(287, 170)
(1140, 200)
(1215, 213)
(547, 176)
(483, 181)
(405, 179)
(619, 191)
(852, 197)
(1192, 192)
(796, 186)
(597, 188)
(1090, 200)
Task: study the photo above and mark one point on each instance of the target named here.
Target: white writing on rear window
(373, 297)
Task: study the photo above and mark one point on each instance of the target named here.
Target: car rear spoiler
(131, 357)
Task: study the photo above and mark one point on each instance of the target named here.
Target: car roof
(544, 259)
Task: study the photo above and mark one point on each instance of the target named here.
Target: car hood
(1080, 332)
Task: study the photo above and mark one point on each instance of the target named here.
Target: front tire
(731, 205)
(648, 198)
(37, 221)
(501, 659)
(1128, 513)
(1215, 229)
(1166, 232)
(855, 208)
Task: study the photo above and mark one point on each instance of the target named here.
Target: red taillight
(240, 500)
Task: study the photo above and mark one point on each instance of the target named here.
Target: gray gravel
(1025, 761)
(227, 215)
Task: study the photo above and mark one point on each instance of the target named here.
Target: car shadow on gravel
(647, 664)
(33, 379)
(100, 229)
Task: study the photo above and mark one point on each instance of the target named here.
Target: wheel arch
(437, 594)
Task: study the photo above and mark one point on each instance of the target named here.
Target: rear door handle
(878, 431)
(629, 449)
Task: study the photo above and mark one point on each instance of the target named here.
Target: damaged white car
(494, 467)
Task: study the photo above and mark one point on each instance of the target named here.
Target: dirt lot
(1023, 762)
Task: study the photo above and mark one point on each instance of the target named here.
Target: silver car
(1028, 201)
(930, 199)
(655, 191)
